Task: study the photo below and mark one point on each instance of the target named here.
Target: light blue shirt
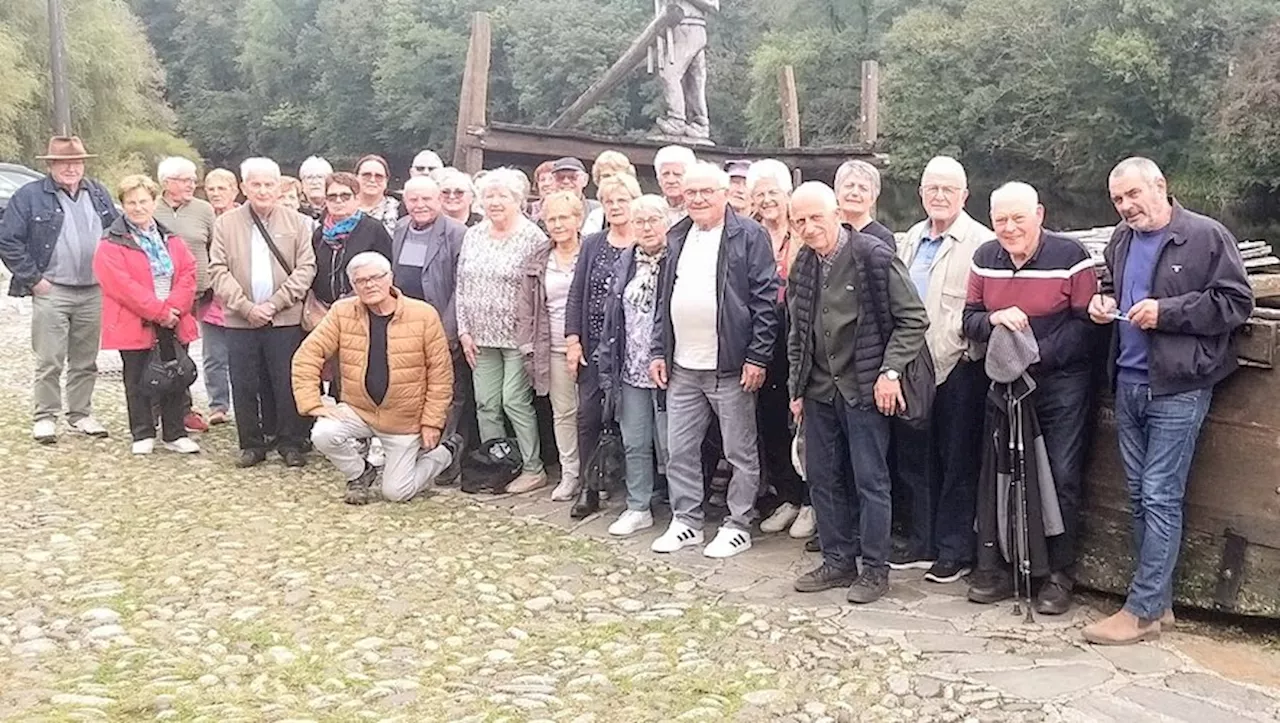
(922, 263)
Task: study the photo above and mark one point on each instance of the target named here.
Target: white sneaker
(182, 445)
(805, 525)
(781, 518)
(377, 455)
(567, 489)
(631, 522)
(45, 431)
(144, 446)
(729, 542)
(90, 427)
(678, 535)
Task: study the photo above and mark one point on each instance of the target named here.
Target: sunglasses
(370, 176)
(343, 196)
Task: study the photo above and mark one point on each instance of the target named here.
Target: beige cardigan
(230, 258)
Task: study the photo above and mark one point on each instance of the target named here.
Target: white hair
(510, 180)
(702, 169)
(769, 168)
(367, 259)
(863, 170)
(1146, 168)
(650, 202)
(947, 167)
(421, 183)
(430, 159)
(175, 166)
(263, 166)
(819, 189)
(674, 154)
(1016, 192)
(452, 174)
(315, 166)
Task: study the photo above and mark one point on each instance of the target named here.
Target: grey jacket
(439, 269)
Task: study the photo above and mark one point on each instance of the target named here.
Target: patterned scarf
(335, 233)
(642, 289)
(152, 243)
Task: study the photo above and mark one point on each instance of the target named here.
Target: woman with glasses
(456, 196)
(857, 190)
(345, 230)
(313, 173)
(374, 174)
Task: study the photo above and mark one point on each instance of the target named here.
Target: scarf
(335, 233)
(152, 243)
(642, 289)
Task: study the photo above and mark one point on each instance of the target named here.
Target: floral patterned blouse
(490, 272)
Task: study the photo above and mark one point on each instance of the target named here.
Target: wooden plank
(869, 128)
(468, 155)
(622, 67)
(790, 107)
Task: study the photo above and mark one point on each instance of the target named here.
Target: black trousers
(590, 411)
(1064, 406)
(773, 428)
(140, 403)
(261, 389)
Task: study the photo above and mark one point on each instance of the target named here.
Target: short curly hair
(129, 184)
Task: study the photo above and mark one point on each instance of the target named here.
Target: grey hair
(429, 158)
(367, 259)
(1016, 191)
(510, 180)
(175, 166)
(945, 166)
(769, 168)
(1146, 168)
(421, 183)
(702, 169)
(259, 165)
(674, 154)
(650, 202)
(819, 189)
(861, 169)
(452, 174)
(315, 166)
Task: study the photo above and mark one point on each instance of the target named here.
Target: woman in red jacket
(148, 280)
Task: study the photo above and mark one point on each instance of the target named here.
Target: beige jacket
(229, 265)
(948, 286)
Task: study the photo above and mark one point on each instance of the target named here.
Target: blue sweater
(1139, 269)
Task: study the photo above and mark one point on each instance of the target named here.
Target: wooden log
(633, 56)
(790, 105)
(468, 152)
(869, 128)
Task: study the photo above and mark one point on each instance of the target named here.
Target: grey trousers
(66, 326)
(409, 468)
(692, 397)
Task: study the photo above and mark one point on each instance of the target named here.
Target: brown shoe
(527, 482)
(1168, 621)
(1123, 628)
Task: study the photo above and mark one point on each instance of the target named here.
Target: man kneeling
(397, 384)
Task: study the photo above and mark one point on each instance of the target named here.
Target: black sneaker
(251, 457)
(359, 490)
(813, 545)
(870, 586)
(944, 571)
(990, 586)
(293, 458)
(1054, 597)
(825, 577)
(457, 446)
(903, 559)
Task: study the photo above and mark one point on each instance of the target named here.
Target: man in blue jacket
(1178, 289)
(714, 328)
(47, 239)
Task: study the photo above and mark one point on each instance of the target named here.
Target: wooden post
(790, 107)
(869, 128)
(468, 153)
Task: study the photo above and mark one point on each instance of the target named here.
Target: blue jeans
(834, 433)
(1157, 441)
(643, 426)
(217, 370)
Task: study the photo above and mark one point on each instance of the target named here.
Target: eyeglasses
(701, 192)
(370, 280)
(189, 181)
(452, 192)
(653, 222)
(425, 169)
(340, 197)
(947, 191)
(373, 176)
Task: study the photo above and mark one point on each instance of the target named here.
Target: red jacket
(129, 301)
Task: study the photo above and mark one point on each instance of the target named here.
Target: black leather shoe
(812, 545)
(251, 457)
(825, 577)
(359, 490)
(588, 503)
(990, 586)
(293, 458)
(1054, 597)
(457, 446)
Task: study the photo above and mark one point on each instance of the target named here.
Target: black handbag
(169, 368)
(919, 380)
(606, 466)
(491, 467)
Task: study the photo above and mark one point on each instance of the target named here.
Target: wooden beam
(869, 127)
(790, 104)
(468, 153)
(632, 57)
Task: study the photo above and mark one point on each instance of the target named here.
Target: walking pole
(1024, 539)
(1014, 548)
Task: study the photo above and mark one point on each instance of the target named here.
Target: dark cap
(737, 168)
(568, 164)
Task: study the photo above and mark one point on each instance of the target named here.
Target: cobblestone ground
(181, 588)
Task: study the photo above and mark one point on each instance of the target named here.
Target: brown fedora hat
(65, 148)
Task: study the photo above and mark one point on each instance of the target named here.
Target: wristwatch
(891, 374)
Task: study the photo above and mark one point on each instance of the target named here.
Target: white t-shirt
(693, 301)
(262, 280)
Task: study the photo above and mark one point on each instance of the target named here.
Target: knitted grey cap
(1010, 353)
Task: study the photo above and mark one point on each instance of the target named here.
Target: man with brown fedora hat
(47, 239)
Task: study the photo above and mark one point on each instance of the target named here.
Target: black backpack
(492, 466)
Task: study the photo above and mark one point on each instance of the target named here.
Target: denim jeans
(833, 433)
(643, 426)
(217, 368)
(1157, 442)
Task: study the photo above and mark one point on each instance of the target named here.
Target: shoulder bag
(313, 309)
(919, 380)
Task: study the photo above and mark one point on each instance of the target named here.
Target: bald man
(856, 323)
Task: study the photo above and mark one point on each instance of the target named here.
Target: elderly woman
(857, 189)
(374, 174)
(291, 193)
(148, 280)
(769, 186)
(607, 165)
(491, 264)
(313, 173)
(220, 188)
(344, 232)
(548, 276)
(456, 196)
(544, 180)
(625, 356)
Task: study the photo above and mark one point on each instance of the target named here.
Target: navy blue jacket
(612, 354)
(31, 226)
(577, 312)
(746, 295)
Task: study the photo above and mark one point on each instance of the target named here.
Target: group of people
(730, 312)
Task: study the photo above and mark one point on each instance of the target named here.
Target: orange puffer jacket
(421, 380)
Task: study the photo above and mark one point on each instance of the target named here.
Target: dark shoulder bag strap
(266, 236)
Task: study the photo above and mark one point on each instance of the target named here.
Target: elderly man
(263, 263)
(425, 164)
(397, 379)
(457, 194)
(739, 199)
(671, 163)
(714, 328)
(191, 219)
(856, 323)
(938, 466)
(857, 190)
(312, 174)
(571, 175)
(1178, 285)
(1030, 278)
(47, 239)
